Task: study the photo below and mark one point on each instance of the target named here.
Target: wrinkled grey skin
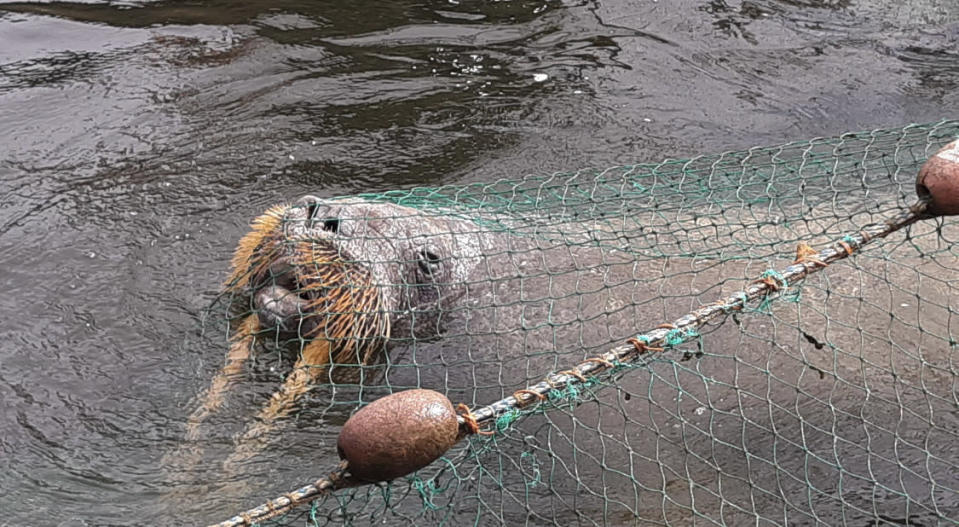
(765, 402)
(419, 261)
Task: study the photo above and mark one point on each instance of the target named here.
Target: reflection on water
(139, 138)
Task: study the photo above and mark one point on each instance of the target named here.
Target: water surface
(139, 138)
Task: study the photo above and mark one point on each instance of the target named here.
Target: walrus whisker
(240, 350)
(283, 401)
(348, 322)
(263, 227)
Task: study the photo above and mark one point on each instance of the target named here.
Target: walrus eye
(429, 262)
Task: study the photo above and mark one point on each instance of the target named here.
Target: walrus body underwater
(362, 290)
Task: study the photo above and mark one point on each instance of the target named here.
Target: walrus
(340, 279)
(441, 301)
(557, 288)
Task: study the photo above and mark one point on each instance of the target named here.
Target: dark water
(138, 139)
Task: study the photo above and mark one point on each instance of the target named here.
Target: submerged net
(834, 401)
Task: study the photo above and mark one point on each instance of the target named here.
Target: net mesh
(837, 402)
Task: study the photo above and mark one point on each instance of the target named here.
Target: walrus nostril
(312, 205)
(429, 262)
(308, 200)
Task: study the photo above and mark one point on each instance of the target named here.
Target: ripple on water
(140, 138)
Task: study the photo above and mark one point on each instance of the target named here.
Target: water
(139, 138)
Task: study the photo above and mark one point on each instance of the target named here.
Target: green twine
(777, 276)
(674, 337)
(677, 336)
(793, 294)
(764, 306)
(537, 476)
(743, 299)
(427, 490)
(619, 365)
(569, 393)
(504, 421)
(640, 189)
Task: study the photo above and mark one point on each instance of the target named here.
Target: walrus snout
(280, 308)
(279, 300)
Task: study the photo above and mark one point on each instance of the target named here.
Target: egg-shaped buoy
(398, 434)
(938, 181)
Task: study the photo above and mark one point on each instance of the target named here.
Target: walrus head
(341, 278)
(353, 272)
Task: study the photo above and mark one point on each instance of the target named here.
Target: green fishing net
(834, 401)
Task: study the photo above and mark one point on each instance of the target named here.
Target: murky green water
(137, 139)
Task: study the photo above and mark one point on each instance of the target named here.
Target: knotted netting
(832, 401)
